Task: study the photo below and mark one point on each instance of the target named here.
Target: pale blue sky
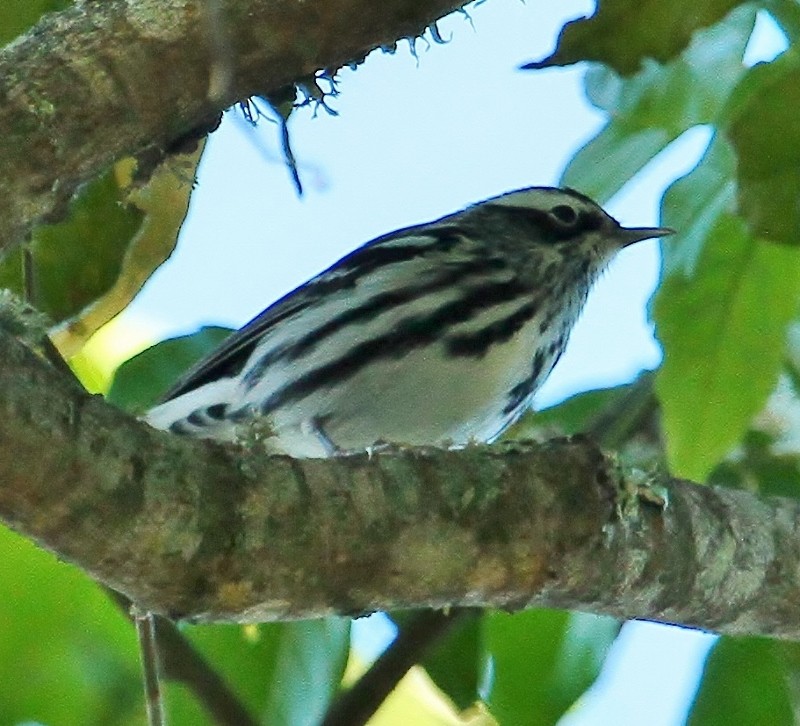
(415, 139)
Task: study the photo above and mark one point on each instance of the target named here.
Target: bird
(438, 334)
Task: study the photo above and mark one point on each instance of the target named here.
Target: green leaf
(162, 202)
(76, 261)
(764, 128)
(623, 32)
(284, 673)
(758, 467)
(607, 162)
(542, 661)
(139, 382)
(723, 330)
(651, 109)
(309, 665)
(571, 416)
(694, 204)
(767, 460)
(457, 663)
(243, 657)
(747, 682)
(16, 16)
(68, 655)
(88, 268)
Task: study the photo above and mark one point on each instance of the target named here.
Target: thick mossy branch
(102, 80)
(195, 530)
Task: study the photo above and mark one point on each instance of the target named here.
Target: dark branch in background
(634, 414)
(74, 97)
(357, 705)
(191, 529)
(182, 663)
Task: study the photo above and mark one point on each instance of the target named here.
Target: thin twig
(356, 706)
(148, 650)
(181, 662)
(29, 288)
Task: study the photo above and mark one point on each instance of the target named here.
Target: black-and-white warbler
(437, 334)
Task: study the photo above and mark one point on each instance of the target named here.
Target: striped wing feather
(229, 358)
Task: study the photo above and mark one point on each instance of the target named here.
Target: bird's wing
(229, 358)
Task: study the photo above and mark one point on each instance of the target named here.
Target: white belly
(423, 398)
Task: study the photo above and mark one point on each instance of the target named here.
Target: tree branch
(357, 705)
(191, 529)
(79, 90)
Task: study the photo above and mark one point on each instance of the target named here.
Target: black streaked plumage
(437, 334)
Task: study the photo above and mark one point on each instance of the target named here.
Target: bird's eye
(564, 213)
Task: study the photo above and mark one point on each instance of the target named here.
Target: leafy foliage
(85, 270)
(651, 109)
(457, 663)
(63, 638)
(542, 661)
(747, 681)
(650, 29)
(769, 176)
(142, 380)
(16, 16)
(735, 301)
(76, 261)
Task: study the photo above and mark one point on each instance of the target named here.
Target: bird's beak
(628, 235)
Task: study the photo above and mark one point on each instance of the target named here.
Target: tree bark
(102, 80)
(195, 530)
(191, 529)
